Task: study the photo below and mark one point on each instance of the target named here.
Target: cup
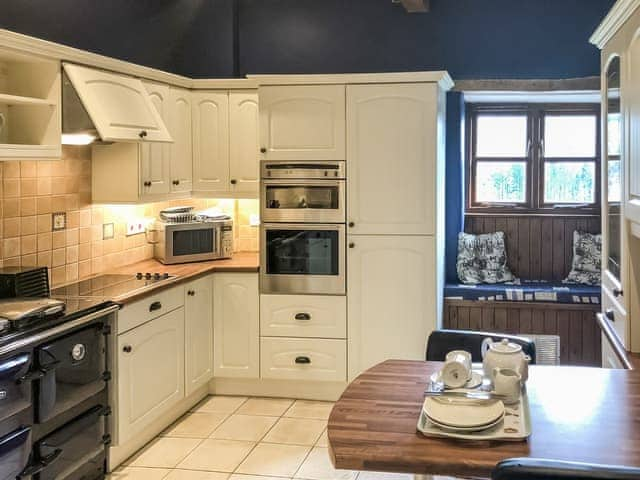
(457, 369)
(507, 382)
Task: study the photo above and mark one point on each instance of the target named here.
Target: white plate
(456, 412)
(449, 428)
(474, 382)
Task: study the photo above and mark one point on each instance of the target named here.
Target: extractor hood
(108, 107)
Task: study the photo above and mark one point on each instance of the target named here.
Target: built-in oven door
(191, 242)
(74, 369)
(319, 201)
(303, 259)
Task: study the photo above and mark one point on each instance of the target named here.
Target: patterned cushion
(482, 259)
(587, 259)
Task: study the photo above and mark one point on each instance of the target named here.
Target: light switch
(107, 231)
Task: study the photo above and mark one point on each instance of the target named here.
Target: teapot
(504, 354)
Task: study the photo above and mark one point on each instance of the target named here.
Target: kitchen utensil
(456, 412)
(476, 395)
(504, 354)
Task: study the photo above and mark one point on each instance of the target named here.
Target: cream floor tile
(310, 409)
(385, 476)
(240, 476)
(219, 404)
(217, 455)
(195, 425)
(244, 427)
(274, 460)
(139, 473)
(296, 431)
(323, 441)
(317, 466)
(196, 475)
(274, 407)
(164, 452)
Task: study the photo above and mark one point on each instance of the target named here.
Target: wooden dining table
(577, 414)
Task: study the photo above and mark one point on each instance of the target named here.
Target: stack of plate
(463, 415)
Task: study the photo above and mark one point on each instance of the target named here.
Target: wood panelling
(538, 247)
(575, 324)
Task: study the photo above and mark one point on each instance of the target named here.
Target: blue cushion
(526, 291)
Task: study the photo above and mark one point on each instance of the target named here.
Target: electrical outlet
(107, 231)
(135, 226)
(58, 221)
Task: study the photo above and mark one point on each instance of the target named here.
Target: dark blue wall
(181, 36)
(470, 38)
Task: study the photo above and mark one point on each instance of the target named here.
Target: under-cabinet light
(77, 138)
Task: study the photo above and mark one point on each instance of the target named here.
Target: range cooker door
(15, 448)
(76, 450)
(15, 384)
(74, 369)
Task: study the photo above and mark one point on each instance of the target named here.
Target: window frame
(535, 161)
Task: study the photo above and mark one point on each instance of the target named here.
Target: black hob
(111, 286)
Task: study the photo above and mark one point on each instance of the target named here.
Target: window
(533, 158)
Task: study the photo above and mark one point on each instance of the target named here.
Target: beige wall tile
(44, 185)
(11, 247)
(10, 187)
(58, 257)
(73, 236)
(28, 260)
(28, 225)
(72, 254)
(59, 185)
(59, 239)
(72, 272)
(43, 223)
(11, 207)
(44, 241)
(11, 262)
(28, 187)
(11, 170)
(58, 275)
(84, 269)
(28, 168)
(84, 251)
(43, 205)
(11, 227)
(73, 219)
(85, 217)
(44, 258)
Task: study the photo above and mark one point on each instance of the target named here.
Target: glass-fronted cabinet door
(613, 172)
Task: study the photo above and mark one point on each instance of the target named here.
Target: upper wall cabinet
(302, 122)
(244, 145)
(155, 157)
(392, 151)
(30, 113)
(226, 162)
(211, 141)
(181, 157)
(118, 105)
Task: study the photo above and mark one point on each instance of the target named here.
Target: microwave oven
(193, 241)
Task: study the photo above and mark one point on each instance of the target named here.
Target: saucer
(474, 382)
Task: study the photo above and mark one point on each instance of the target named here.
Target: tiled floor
(239, 438)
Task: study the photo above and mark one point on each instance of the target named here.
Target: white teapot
(504, 354)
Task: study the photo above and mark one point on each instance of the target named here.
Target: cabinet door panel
(117, 104)
(155, 157)
(210, 141)
(303, 122)
(236, 325)
(244, 142)
(150, 372)
(391, 157)
(198, 303)
(181, 149)
(391, 299)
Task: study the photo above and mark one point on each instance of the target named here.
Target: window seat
(525, 291)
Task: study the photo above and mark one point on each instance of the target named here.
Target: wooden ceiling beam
(415, 6)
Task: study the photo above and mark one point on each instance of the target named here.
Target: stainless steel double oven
(303, 230)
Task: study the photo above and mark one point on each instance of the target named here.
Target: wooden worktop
(577, 414)
(240, 262)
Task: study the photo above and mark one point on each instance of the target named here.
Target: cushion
(525, 291)
(587, 259)
(482, 259)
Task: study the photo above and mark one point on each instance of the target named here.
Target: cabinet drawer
(303, 359)
(303, 316)
(615, 314)
(150, 307)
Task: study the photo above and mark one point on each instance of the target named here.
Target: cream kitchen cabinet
(181, 152)
(302, 122)
(148, 171)
(394, 135)
(118, 105)
(150, 372)
(236, 349)
(392, 298)
(225, 143)
(244, 159)
(198, 314)
(210, 142)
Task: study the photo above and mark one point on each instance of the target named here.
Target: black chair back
(538, 469)
(442, 342)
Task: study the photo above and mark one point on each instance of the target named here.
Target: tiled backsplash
(33, 190)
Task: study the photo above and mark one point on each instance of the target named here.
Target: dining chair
(442, 342)
(540, 469)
